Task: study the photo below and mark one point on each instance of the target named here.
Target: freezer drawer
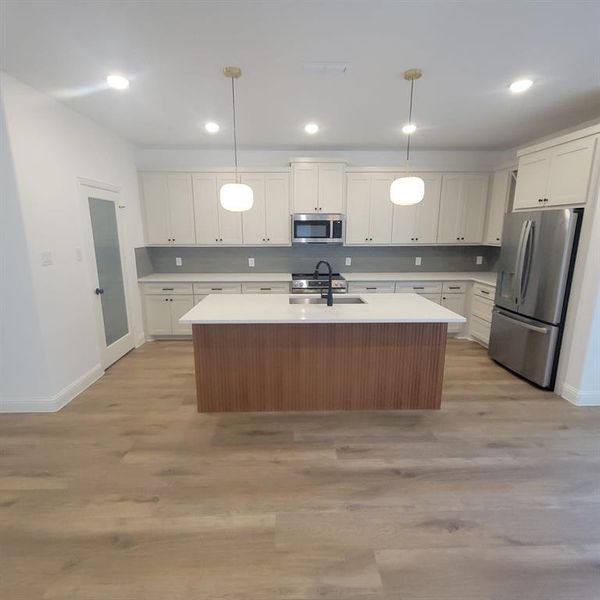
(524, 346)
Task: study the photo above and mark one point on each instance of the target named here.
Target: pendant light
(236, 197)
(407, 190)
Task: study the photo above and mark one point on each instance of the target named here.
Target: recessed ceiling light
(520, 85)
(311, 128)
(211, 127)
(409, 128)
(117, 82)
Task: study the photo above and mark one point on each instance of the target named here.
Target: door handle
(99, 291)
(543, 330)
(519, 263)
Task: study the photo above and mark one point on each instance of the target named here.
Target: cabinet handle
(545, 199)
(462, 238)
(458, 238)
(417, 239)
(418, 287)
(485, 292)
(540, 200)
(266, 289)
(454, 287)
(216, 289)
(99, 291)
(264, 240)
(268, 239)
(168, 289)
(371, 288)
(216, 239)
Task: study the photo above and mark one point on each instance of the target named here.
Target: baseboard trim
(56, 402)
(578, 398)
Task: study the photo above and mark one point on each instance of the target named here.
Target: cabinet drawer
(372, 287)
(480, 330)
(266, 288)
(485, 291)
(418, 287)
(454, 287)
(482, 308)
(167, 288)
(217, 288)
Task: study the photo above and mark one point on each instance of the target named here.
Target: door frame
(94, 189)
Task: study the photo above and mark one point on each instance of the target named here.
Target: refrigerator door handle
(526, 266)
(507, 317)
(519, 264)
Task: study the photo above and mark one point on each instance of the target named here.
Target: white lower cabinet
(164, 311)
(480, 319)
(266, 288)
(456, 303)
(371, 287)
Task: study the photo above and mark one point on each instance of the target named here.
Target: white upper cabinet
(555, 176)
(268, 221)
(318, 187)
(168, 208)
(462, 208)
(570, 172)
(369, 209)
(417, 224)
(358, 206)
(497, 207)
(214, 225)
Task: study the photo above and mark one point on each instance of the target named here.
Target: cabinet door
(404, 221)
(305, 187)
(179, 306)
(532, 180)
(497, 207)
(158, 314)
(381, 210)
(358, 209)
(205, 208)
(455, 303)
(181, 208)
(277, 198)
(475, 189)
(570, 172)
(427, 212)
(331, 188)
(451, 210)
(156, 208)
(253, 220)
(230, 223)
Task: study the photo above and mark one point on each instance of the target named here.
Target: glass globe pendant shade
(236, 197)
(406, 191)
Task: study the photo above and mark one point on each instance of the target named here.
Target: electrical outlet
(47, 259)
(417, 261)
(250, 262)
(348, 261)
(479, 260)
(178, 261)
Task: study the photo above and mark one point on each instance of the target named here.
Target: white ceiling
(173, 52)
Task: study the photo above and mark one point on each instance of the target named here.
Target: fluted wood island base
(319, 366)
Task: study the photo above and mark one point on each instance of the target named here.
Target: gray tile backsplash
(303, 258)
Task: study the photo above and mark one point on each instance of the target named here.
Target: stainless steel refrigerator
(534, 276)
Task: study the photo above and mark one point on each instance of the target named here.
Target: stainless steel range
(307, 283)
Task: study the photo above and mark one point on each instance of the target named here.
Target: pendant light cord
(412, 85)
(234, 130)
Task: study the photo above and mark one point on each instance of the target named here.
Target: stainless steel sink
(319, 300)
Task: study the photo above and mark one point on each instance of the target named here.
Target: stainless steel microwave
(317, 228)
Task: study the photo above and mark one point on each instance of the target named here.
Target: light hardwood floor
(129, 493)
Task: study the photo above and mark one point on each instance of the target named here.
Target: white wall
(49, 147)
(578, 378)
(190, 159)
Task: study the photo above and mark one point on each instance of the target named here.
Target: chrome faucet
(329, 294)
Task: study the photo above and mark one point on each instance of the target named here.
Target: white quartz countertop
(275, 308)
(488, 278)
(216, 277)
(480, 277)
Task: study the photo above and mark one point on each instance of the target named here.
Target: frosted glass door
(110, 273)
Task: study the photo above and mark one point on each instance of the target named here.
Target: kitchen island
(288, 353)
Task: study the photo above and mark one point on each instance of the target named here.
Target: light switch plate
(250, 262)
(479, 260)
(418, 261)
(46, 258)
(178, 261)
(348, 261)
